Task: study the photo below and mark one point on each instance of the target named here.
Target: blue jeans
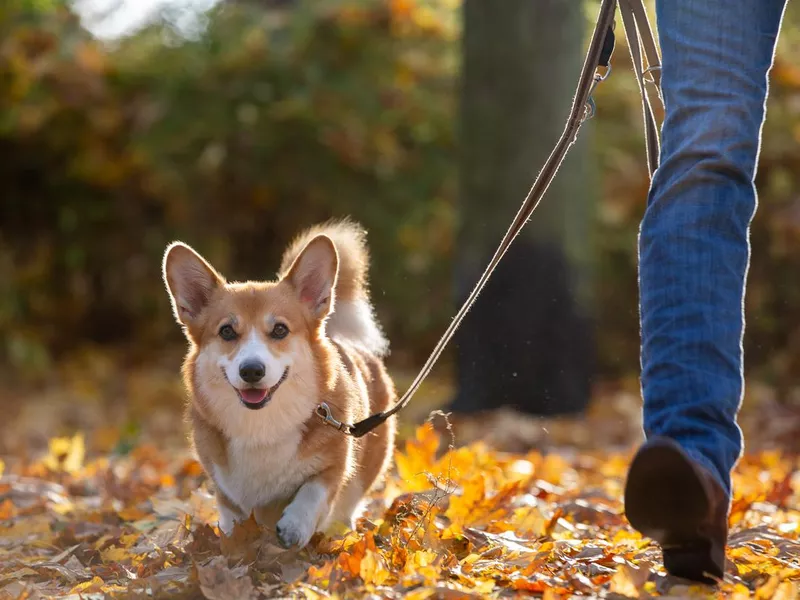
(694, 247)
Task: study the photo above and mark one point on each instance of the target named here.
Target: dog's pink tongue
(253, 396)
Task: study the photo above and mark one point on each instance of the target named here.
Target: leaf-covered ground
(475, 520)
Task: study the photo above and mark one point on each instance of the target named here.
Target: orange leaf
(419, 458)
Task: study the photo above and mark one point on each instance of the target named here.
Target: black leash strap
(601, 47)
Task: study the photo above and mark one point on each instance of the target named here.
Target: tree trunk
(528, 341)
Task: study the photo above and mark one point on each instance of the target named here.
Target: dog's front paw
(294, 530)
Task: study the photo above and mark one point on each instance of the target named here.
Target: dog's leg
(229, 513)
(227, 519)
(310, 506)
(211, 449)
(349, 505)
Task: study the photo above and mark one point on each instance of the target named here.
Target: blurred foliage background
(235, 129)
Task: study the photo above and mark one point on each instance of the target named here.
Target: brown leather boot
(678, 503)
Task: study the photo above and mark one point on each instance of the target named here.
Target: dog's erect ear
(190, 281)
(313, 275)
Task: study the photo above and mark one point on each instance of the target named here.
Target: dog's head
(254, 345)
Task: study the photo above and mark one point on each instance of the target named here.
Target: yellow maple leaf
(129, 539)
(420, 594)
(628, 581)
(114, 554)
(93, 585)
(419, 458)
(464, 508)
(420, 569)
(132, 513)
(372, 569)
(484, 587)
(740, 592)
(321, 575)
(66, 454)
(786, 590)
(35, 525)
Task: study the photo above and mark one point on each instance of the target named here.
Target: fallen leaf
(218, 582)
(66, 454)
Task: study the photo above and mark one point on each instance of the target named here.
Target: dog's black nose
(252, 371)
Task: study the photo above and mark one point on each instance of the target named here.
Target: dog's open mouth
(255, 398)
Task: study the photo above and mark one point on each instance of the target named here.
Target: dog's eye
(227, 333)
(279, 332)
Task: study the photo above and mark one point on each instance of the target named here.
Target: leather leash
(596, 68)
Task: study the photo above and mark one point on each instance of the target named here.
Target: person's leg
(694, 240)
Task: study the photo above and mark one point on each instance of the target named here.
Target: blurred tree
(108, 155)
(527, 343)
(266, 3)
(236, 136)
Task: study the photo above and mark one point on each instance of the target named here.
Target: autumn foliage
(451, 522)
(233, 141)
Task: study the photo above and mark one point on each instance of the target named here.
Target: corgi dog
(262, 356)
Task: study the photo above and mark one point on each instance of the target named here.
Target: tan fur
(350, 242)
(353, 319)
(281, 462)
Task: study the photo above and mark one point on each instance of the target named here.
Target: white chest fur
(258, 474)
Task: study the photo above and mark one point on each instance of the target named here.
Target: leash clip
(323, 411)
(648, 72)
(649, 77)
(591, 107)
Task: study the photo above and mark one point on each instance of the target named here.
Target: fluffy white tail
(353, 318)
